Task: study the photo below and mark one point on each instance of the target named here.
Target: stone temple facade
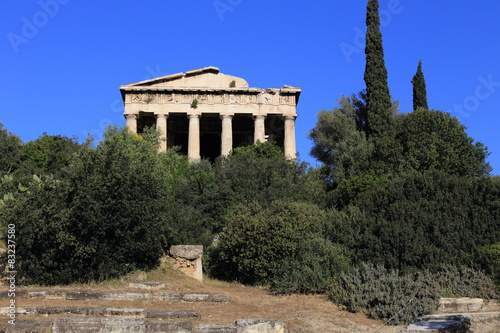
(208, 113)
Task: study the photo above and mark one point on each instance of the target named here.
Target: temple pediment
(208, 77)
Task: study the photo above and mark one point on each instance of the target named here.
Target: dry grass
(301, 313)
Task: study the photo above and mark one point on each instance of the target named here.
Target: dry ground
(301, 313)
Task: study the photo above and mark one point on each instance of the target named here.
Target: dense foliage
(419, 89)
(378, 98)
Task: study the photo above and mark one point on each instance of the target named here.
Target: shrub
(106, 218)
(464, 282)
(256, 240)
(312, 269)
(386, 295)
(492, 253)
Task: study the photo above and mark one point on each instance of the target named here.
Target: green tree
(10, 149)
(49, 154)
(418, 220)
(108, 216)
(378, 98)
(339, 145)
(419, 89)
(434, 140)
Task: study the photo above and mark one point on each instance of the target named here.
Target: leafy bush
(256, 240)
(493, 257)
(385, 294)
(464, 282)
(312, 269)
(107, 218)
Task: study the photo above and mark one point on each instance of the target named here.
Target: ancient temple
(208, 113)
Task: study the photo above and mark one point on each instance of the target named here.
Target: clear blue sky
(62, 61)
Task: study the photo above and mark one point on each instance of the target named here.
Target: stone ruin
(187, 259)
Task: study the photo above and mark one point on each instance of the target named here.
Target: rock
(196, 297)
(167, 296)
(23, 326)
(173, 327)
(258, 325)
(147, 285)
(126, 296)
(219, 298)
(124, 312)
(88, 325)
(83, 294)
(190, 252)
(166, 314)
(463, 304)
(48, 294)
(215, 329)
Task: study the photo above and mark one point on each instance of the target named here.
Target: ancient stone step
(458, 322)
(128, 296)
(463, 304)
(147, 285)
(117, 325)
(103, 312)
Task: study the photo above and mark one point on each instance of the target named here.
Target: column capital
(259, 116)
(194, 115)
(226, 115)
(131, 115)
(290, 117)
(161, 115)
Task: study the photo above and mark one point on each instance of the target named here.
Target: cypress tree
(378, 98)
(419, 89)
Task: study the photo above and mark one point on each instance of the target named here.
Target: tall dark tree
(378, 98)
(419, 89)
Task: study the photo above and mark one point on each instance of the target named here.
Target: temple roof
(208, 77)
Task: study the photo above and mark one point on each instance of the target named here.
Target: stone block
(166, 314)
(48, 294)
(215, 329)
(82, 325)
(193, 297)
(187, 258)
(161, 314)
(167, 296)
(147, 285)
(188, 315)
(219, 298)
(259, 325)
(126, 296)
(91, 325)
(124, 312)
(463, 304)
(23, 326)
(19, 293)
(190, 252)
(83, 294)
(169, 327)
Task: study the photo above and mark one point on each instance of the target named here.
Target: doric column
(227, 134)
(290, 150)
(194, 137)
(161, 125)
(132, 122)
(259, 129)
